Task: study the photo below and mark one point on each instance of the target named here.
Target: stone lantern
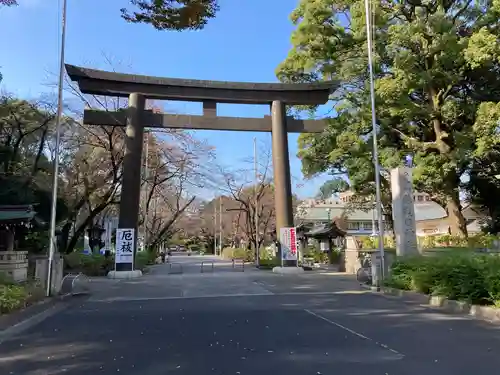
(95, 237)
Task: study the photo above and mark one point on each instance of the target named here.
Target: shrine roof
(13, 213)
(323, 230)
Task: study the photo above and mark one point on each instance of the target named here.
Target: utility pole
(55, 177)
(378, 195)
(256, 213)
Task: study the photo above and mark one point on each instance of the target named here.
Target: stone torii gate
(138, 88)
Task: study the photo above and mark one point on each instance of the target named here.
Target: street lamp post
(53, 212)
(256, 213)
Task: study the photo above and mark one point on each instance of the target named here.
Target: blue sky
(246, 42)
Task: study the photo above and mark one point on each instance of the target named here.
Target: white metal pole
(220, 224)
(146, 176)
(374, 229)
(375, 143)
(256, 213)
(53, 212)
(215, 227)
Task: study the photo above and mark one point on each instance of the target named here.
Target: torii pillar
(131, 185)
(281, 169)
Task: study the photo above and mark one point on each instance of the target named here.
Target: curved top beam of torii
(100, 82)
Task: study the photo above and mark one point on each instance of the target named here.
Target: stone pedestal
(124, 274)
(14, 264)
(288, 270)
(41, 268)
(351, 255)
(376, 263)
(403, 211)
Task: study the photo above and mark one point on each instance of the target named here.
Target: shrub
(92, 263)
(12, 297)
(194, 247)
(370, 242)
(335, 255)
(6, 279)
(468, 277)
(318, 255)
(269, 263)
(99, 265)
(475, 241)
(142, 259)
(238, 253)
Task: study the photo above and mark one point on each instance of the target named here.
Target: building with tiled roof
(431, 218)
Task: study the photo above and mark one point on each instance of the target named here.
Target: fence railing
(209, 265)
(75, 284)
(175, 268)
(238, 264)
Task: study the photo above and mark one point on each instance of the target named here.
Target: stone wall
(14, 264)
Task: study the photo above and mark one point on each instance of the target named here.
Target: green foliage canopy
(330, 187)
(437, 67)
(172, 14)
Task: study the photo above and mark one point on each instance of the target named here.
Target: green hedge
(474, 278)
(269, 263)
(238, 253)
(265, 255)
(99, 265)
(474, 241)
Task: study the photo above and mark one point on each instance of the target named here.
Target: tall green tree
(483, 185)
(333, 186)
(172, 14)
(165, 14)
(8, 3)
(25, 170)
(436, 66)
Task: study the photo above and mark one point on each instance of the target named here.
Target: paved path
(252, 322)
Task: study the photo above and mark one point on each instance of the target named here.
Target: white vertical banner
(125, 240)
(288, 242)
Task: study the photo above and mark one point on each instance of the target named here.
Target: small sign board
(288, 241)
(125, 241)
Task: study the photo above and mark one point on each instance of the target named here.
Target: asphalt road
(252, 322)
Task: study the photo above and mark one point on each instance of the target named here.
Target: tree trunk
(458, 226)
(163, 230)
(80, 231)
